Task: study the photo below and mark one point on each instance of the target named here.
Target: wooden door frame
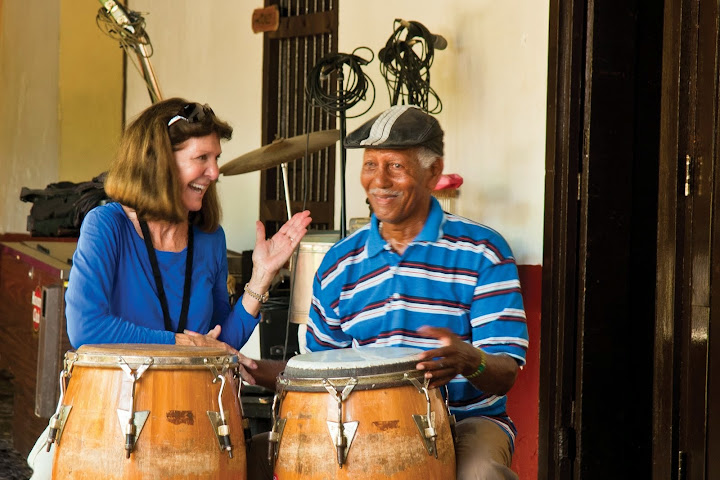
(668, 302)
(599, 245)
(684, 388)
(563, 150)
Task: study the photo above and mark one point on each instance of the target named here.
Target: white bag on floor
(40, 460)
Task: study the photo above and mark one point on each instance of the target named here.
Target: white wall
(61, 87)
(492, 80)
(29, 44)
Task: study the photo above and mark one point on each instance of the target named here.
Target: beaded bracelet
(481, 367)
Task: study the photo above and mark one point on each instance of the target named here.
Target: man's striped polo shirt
(455, 274)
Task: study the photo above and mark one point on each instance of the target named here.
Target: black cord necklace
(158, 278)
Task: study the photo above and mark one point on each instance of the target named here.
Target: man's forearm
(267, 372)
(498, 375)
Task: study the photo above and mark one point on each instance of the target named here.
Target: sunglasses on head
(191, 113)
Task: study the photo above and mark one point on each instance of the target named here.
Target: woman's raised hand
(270, 255)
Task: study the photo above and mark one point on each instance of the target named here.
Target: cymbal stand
(343, 151)
(284, 169)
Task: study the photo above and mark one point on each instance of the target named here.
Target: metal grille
(308, 32)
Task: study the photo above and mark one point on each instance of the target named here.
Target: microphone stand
(148, 73)
(137, 39)
(340, 100)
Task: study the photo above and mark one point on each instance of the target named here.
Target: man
(419, 277)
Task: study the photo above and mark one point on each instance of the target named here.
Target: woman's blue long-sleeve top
(112, 297)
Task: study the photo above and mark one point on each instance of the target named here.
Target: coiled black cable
(405, 63)
(321, 93)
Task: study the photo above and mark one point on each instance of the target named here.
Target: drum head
(371, 366)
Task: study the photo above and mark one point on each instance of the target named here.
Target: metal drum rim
(110, 360)
(363, 382)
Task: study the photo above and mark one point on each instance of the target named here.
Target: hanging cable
(405, 63)
(321, 93)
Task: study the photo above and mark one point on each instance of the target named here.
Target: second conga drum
(173, 395)
(393, 427)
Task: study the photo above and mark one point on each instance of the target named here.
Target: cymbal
(280, 151)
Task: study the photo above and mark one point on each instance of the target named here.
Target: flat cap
(401, 126)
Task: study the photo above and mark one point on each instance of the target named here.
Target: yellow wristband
(480, 368)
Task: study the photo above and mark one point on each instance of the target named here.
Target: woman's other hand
(210, 339)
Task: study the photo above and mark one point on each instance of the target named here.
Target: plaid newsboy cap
(400, 126)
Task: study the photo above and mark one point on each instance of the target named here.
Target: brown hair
(144, 175)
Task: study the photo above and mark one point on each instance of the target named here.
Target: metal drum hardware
(132, 422)
(278, 425)
(341, 432)
(426, 423)
(57, 421)
(217, 419)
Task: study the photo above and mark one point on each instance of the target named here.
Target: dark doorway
(599, 263)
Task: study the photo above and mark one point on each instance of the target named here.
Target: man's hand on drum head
(453, 358)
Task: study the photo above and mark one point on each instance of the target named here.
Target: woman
(152, 266)
(164, 182)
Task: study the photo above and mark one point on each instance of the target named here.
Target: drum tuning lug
(129, 439)
(57, 423)
(131, 422)
(426, 426)
(222, 431)
(52, 434)
(217, 419)
(426, 423)
(131, 425)
(278, 425)
(342, 435)
(274, 440)
(224, 436)
(341, 432)
(421, 387)
(213, 371)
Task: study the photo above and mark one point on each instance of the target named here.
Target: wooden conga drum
(357, 414)
(149, 411)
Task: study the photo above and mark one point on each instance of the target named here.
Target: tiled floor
(12, 465)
